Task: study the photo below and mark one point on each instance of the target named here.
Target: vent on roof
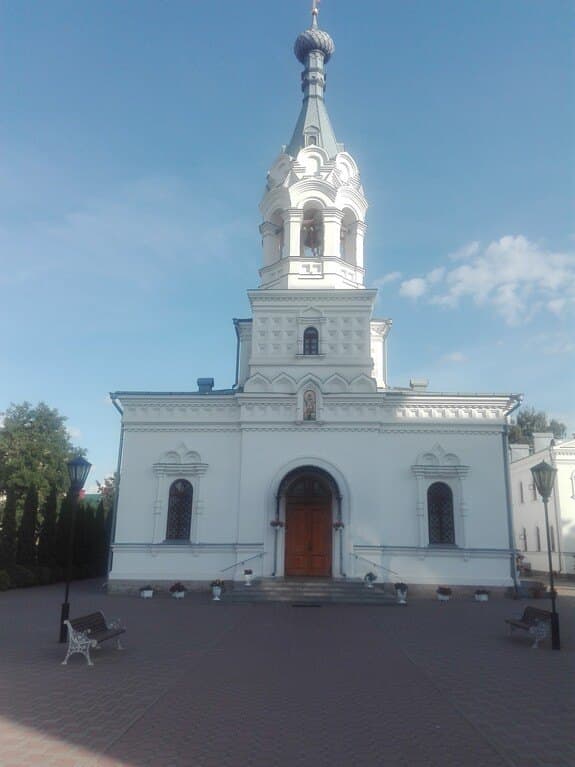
(205, 385)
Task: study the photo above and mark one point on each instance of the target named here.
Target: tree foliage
(34, 449)
(9, 531)
(47, 537)
(529, 421)
(107, 490)
(26, 549)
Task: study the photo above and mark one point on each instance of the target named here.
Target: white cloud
(387, 278)
(465, 252)
(516, 277)
(552, 344)
(132, 231)
(454, 357)
(413, 288)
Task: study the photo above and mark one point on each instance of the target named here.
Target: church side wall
(140, 550)
(383, 471)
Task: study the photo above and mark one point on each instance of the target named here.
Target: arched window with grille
(179, 511)
(440, 514)
(310, 341)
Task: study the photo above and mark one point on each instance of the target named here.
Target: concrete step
(308, 591)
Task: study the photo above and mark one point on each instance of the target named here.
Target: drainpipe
(236, 328)
(341, 570)
(557, 516)
(117, 483)
(505, 438)
(276, 533)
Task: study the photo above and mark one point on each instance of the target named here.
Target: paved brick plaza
(215, 685)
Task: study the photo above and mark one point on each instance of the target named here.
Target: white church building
(312, 464)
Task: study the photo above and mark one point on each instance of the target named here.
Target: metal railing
(375, 564)
(249, 559)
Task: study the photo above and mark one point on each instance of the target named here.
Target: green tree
(63, 531)
(26, 547)
(107, 491)
(529, 421)
(34, 449)
(101, 526)
(8, 533)
(47, 537)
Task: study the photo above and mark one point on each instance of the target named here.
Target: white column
(157, 536)
(463, 511)
(292, 228)
(331, 232)
(360, 228)
(269, 233)
(420, 513)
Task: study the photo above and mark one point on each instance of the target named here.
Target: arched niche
(435, 467)
(312, 231)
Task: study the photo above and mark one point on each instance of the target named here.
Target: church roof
(313, 48)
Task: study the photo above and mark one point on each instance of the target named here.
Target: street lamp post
(544, 478)
(78, 470)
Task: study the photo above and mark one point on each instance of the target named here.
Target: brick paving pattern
(217, 685)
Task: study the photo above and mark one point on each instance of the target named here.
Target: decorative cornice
(186, 548)
(436, 551)
(440, 471)
(180, 469)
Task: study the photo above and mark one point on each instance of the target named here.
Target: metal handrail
(237, 564)
(381, 567)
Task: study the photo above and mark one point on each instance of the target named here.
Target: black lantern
(544, 479)
(78, 470)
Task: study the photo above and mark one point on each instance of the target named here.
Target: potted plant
(481, 595)
(400, 593)
(178, 590)
(217, 587)
(146, 592)
(248, 575)
(444, 593)
(369, 579)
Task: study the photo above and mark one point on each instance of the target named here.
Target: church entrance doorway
(308, 535)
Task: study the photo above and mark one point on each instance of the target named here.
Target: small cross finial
(314, 12)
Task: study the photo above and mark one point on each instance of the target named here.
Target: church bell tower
(313, 207)
(312, 315)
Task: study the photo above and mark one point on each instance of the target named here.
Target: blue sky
(136, 137)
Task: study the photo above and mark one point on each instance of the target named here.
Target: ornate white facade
(528, 510)
(312, 464)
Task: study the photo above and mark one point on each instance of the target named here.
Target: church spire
(313, 48)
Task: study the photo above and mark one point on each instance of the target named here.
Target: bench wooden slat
(90, 631)
(534, 620)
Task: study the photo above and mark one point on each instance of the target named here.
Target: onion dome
(313, 39)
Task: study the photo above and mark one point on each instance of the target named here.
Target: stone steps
(308, 591)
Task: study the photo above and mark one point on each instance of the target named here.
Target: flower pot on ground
(248, 576)
(444, 593)
(369, 579)
(146, 592)
(481, 595)
(178, 590)
(217, 587)
(401, 593)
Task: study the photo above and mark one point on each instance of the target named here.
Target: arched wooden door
(308, 536)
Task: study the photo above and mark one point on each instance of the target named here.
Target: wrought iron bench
(534, 621)
(90, 631)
